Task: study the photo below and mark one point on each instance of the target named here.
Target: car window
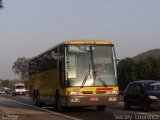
(130, 88)
(138, 89)
(153, 86)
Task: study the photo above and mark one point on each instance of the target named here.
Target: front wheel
(37, 100)
(127, 105)
(58, 104)
(101, 107)
(145, 106)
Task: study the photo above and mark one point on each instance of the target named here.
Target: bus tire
(58, 105)
(101, 107)
(34, 96)
(37, 100)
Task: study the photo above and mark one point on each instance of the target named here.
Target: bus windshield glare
(90, 65)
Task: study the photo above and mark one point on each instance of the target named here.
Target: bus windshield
(19, 87)
(90, 65)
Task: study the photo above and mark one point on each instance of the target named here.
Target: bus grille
(91, 92)
(87, 92)
(100, 92)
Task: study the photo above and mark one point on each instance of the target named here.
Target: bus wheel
(58, 104)
(37, 100)
(34, 96)
(101, 107)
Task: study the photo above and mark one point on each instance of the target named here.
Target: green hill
(151, 53)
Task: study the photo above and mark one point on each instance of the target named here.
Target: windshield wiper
(99, 78)
(86, 77)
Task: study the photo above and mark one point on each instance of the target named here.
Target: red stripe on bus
(104, 88)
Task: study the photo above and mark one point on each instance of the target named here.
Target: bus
(75, 73)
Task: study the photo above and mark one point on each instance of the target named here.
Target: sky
(29, 27)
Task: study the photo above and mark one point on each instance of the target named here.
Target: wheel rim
(59, 105)
(126, 105)
(37, 100)
(145, 106)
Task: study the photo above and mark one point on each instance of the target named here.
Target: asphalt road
(22, 108)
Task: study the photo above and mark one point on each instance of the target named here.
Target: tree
(21, 67)
(1, 4)
(26, 82)
(143, 69)
(155, 68)
(126, 72)
(148, 68)
(7, 83)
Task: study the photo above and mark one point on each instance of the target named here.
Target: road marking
(51, 112)
(142, 113)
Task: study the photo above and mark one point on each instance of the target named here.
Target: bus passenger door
(62, 66)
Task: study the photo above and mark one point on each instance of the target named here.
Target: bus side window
(33, 67)
(54, 58)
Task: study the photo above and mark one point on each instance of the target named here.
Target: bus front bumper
(70, 101)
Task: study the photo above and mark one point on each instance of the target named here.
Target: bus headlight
(74, 93)
(113, 92)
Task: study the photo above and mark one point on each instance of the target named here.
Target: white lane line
(51, 112)
(142, 113)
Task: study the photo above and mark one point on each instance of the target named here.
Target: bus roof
(87, 42)
(76, 42)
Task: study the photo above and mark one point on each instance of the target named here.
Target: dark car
(145, 94)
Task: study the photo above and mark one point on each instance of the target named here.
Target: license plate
(112, 99)
(94, 99)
